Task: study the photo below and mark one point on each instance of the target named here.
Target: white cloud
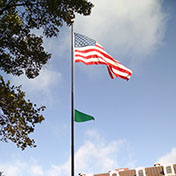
(169, 157)
(46, 79)
(40, 88)
(93, 157)
(96, 155)
(61, 170)
(13, 169)
(21, 168)
(37, 170)
(59, 46)
(127, 27)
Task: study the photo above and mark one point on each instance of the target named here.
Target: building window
(140, 173)
(168, 170)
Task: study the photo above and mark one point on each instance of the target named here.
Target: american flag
(89, 52)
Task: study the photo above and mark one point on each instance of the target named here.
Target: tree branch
(8, 6)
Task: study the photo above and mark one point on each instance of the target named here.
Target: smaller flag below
(81, 117)
(89, 52)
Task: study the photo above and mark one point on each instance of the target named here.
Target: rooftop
(157, 170)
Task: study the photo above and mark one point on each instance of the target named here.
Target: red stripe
(99, 46)
(110, 73)
(79, 55)
(105, 55)
(109, 70)
(90, 63)
(98, 51)
(100, 62)
(117, 75)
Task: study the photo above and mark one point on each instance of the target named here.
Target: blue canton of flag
(81, 41)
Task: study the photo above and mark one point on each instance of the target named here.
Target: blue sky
(134, 121)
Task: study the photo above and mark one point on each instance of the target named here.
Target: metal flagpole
(72, 104)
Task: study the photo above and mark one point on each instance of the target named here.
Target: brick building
(156, 170)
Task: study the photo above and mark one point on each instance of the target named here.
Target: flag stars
(82, 41)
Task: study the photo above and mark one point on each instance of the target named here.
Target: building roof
(156, 170)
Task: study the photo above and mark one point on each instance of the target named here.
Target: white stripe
(114, 71)
(100, 55)
(120, 73)
(113, 75)
(104, 60)
(90, 60)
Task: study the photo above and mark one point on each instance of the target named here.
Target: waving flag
(82, 117)
(89, 52)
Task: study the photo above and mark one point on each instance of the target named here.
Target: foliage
(21, 52)
(22, 115)
(1, 173)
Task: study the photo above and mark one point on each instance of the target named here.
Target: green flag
(81, 117)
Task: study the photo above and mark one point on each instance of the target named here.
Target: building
(156, 170)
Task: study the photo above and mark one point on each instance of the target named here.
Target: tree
(21, 52)
(1, 173)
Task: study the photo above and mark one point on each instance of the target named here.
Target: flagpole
(72, 104)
